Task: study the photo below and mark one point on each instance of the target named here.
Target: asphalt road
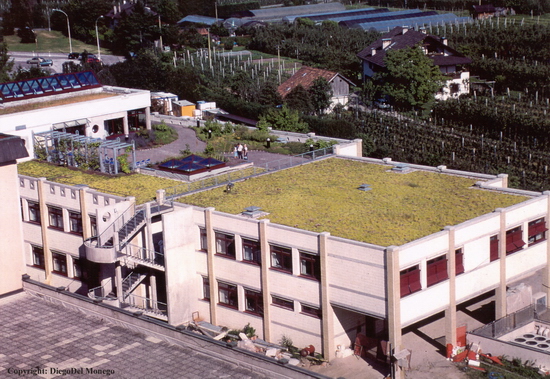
(58, 59)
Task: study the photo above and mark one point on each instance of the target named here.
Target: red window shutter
(494, 245)
(459, 263)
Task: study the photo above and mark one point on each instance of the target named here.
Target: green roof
(324, 196)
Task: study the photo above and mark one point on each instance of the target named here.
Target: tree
(411, 78)
(282, 119)
(6, 64)
(299, 99)
(320, 93)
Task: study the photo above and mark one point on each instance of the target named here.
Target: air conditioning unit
(540, 301)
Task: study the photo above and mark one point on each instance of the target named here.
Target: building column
(118, 281)
(211, 252)
(153, 290)
(327, 313)
(394, 305)
(149, 246)
(546, 272)
(125, 127)
(44, 222)
(500, 291)
(265, 264)
(148, 118)
(86, 225)
(450, 312)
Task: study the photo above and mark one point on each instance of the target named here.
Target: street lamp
(97, 37)
(68, 28)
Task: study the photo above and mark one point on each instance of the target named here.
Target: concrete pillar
(211, 252)
(265, 264)
(118, 281)
(327, 313)
(450, 312)
(148, 118)
(86, 225)
(149, 247)
(500, 291)
(44, 222)
(125, 127)
(394, 304)
(153, 290)
(359, 144)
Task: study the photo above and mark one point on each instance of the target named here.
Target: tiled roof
(486, 8)
(399, 40)
(304, 77)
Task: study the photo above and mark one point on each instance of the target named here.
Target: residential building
(74, 103)
(451, 63)
(306, 76)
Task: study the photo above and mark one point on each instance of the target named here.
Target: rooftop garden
(324, 196)
(142, 187)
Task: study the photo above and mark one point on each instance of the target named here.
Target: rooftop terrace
(324, 196)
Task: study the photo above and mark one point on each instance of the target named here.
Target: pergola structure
(74, 150)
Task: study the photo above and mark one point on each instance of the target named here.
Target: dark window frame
(494, 248)
(203, 239)
(205, 288)
(93, 225)
(34, 206)
(231, 295)
(436, 269)
(536, 231)
(225, 245)
(38, 258)
(310, 310)
(410, 280)
(514, 240)
(75, 222)
(253, 302)
(59, 263)
(77, 268)
(55, 217)
(280, 258)
(459, 261)
(310, 266)
(255, 251)
(282, 302)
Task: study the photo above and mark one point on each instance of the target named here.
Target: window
(205, 288)
(514, 240)
(410, 281)
(310, 266)
(93, 225)
(459, 261)
(77, 269)
(537, 231)
(493, 248)
(225, 245)
(203, 239)
(251, 251)
(437, 270)
(75, 222)
(281, 258)
(56, 218)
(59, 263)
(311, 311)
(228, 295)
(38, 257)
(283, 303)
(34, 212)
(254, 302)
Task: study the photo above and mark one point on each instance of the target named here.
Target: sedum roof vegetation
(142, 187)
(324, 196)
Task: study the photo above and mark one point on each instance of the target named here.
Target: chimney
(373, 52)
(444, 41)
(405, 29)
(114, 10)
(386, 42)
(423, 30)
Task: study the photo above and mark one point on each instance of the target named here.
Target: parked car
(40, 61)
(92, 58)
(382, 104)
(74, 55)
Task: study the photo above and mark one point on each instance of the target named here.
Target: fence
(508, 323)
(229, 177)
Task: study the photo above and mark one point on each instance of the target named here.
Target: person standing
(240, 151)
(245, 152)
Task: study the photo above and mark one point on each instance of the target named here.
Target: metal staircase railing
(131, 282)
(143, 256)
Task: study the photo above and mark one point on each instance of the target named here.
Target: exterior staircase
(130, 228)
(131, 282)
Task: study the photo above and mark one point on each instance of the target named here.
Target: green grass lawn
(323, 196)
(50, 42)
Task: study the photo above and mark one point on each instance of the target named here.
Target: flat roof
(324, 196)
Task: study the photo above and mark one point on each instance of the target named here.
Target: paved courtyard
(44, 340)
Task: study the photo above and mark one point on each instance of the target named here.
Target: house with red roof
(451, 63)
(305, 77)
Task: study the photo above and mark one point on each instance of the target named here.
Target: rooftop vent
(364, 187)
(401, 167)
(252, 211)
